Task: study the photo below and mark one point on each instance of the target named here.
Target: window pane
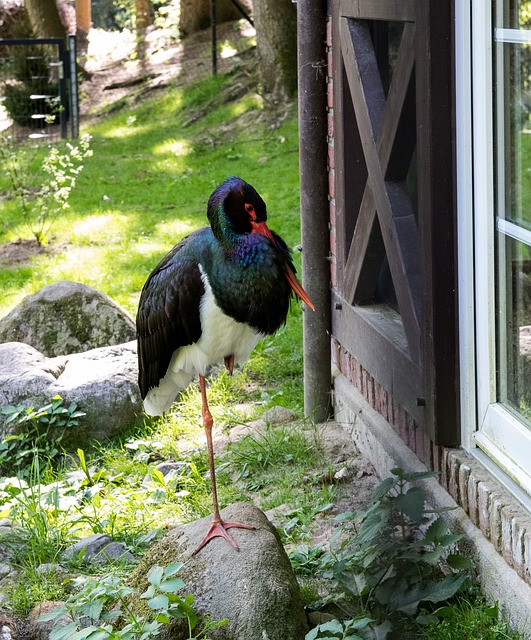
(514, 14)
(513, 101)
(512, 83)
(514, 331)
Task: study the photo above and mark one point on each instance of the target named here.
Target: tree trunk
(276, 41)
(143, 17)
(45, 19)
(195, 14)
(83, 25)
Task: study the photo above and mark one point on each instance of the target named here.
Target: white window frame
(489, 430)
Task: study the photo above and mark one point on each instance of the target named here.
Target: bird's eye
(250, 210)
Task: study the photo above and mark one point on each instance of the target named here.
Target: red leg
(218, 528)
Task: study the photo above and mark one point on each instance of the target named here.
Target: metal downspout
(312, 72)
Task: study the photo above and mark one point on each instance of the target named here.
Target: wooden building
(416, 211)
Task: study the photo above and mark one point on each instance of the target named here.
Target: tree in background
(46, 19)
(83, 23)
(143, 19)
(195, 15)
(275, 22)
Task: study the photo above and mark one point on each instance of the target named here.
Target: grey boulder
(254, 588)
(103, 383)
(67, 317)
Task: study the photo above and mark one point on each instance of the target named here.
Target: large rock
(254, 588)
(103, 383)
(67, 317)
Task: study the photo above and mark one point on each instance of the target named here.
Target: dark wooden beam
(313, 126)
(438, 224)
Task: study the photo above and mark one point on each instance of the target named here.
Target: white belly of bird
(221, 336)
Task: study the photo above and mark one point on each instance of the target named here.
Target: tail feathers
(160, 398)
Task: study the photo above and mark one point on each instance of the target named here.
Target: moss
(164, 553)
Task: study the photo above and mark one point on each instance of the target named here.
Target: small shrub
(468, 616)
(271, 446)
(103, 609)
(58, 173)
(392, 562)
(336, 630)
(31, 70)
(43, 527)
(40, 433)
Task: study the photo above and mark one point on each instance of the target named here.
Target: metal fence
(38, 89)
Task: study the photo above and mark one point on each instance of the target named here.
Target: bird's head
(235, 207)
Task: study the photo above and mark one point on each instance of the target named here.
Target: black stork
(210, 300)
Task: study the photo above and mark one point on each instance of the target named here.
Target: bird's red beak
(263, 229)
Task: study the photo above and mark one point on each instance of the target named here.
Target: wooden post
(311, 23)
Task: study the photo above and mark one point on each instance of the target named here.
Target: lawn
(147, 185)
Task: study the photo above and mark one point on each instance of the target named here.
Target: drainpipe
(312, 71)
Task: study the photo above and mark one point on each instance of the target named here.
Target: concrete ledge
(376, 439)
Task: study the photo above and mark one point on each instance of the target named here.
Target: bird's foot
(218, 529)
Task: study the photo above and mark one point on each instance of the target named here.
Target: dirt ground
(115, 73)
(355, 480)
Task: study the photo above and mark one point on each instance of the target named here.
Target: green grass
(147, 186)
(466, 618)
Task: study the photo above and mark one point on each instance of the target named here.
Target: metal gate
(38, 89)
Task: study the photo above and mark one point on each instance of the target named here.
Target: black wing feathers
(168, 314)
(284, 251)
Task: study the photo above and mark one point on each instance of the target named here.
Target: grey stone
(112, 552)
(50, 567)
(166, 468)
(98, 549)
(103, 383)
(254, 588)
(279, 415)
(6, 571)
(67, 317)
(10, 626)
(41, 630)
(90, 546)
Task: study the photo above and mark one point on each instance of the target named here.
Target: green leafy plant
(106, 604)
(43, 528)
(41, 206)
(336, 630)
(306, 560)
(33, 586)
(393, 561)
(40, 433)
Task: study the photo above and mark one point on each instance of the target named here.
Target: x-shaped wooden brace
(381, 124)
